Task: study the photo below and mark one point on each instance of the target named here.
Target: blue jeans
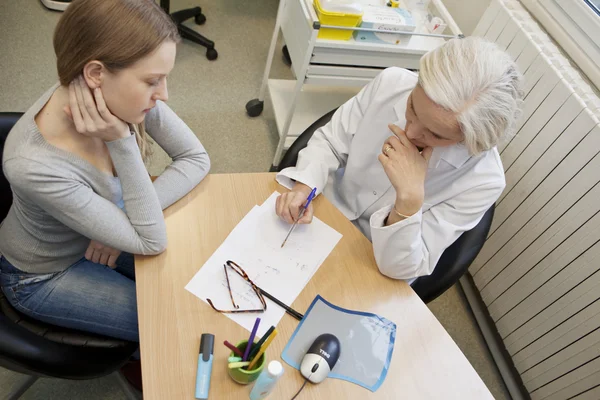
(86, 296)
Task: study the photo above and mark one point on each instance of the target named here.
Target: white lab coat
(341, 162)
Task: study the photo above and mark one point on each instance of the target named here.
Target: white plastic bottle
(266, 381)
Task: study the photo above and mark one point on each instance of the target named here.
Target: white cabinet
(329, 72)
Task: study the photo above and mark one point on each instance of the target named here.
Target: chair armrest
(455, 260)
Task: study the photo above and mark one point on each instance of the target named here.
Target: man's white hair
(480, 83)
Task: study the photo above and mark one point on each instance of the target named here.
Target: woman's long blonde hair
(115, 32)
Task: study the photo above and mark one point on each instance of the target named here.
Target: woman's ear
(93, 73)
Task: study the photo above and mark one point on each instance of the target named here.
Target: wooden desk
(426, 363)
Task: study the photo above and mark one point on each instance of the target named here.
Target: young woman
(83, 200)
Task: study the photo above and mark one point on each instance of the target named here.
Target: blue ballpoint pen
(300, 214)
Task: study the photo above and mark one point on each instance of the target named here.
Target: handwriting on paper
(255, 244)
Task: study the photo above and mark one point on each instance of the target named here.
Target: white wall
(466, 13)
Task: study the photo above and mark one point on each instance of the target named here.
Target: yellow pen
(240, 364)
(262, 349)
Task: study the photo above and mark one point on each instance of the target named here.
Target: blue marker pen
(205, 360)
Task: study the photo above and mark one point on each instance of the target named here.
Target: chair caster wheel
(286, 55)
(211, 54)
(254, 107)
(200, 19)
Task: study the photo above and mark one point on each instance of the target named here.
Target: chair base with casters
(56, 5)
(38, 349)
(187, 33)
(455, 260)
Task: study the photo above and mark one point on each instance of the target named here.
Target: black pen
(256, 346)
(287, 308)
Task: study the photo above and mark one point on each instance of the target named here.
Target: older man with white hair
(412, 159)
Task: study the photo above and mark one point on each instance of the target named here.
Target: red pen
(233, 348)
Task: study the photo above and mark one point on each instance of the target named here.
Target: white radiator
(538, 273)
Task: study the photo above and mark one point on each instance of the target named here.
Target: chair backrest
(455, 260)
(290, 157)
(7, 121)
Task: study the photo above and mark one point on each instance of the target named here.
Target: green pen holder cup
(241, 375)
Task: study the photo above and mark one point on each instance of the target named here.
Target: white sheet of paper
(255, 244)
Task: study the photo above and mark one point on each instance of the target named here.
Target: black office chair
(188, 33)
(38, 349)
(455, 260)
